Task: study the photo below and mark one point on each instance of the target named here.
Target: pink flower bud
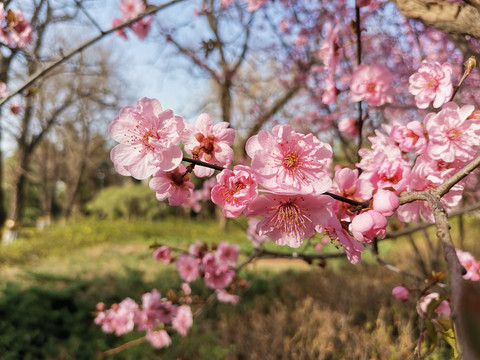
(401, 293)
(385, 202)
(368, 225)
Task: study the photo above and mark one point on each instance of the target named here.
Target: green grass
(52, 279)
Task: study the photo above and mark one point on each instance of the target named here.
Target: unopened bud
(470, 64)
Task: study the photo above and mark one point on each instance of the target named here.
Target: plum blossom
(226, 253)
(335, 230)
(442, 309)
(430, 83)
(120, 32)
(130, 9)
(235, 189)
(188, 267)
(224, 296)
(254, 5)
(141, 27)
(347, 184)
(289, 219)
(289, 162)
(18, 31)
(155, 310)
(158, 339)
(394, 174)
(163, 253)
(452, 133)
(218, 276)
(368, 225)
(183, 320)
(372, 83)
(425, 175)
(401, 293)
(174, 185)
(330, 53)
(410, 137)
(147, 135)
(209, 143)
(383, 149)
(349, 126)
(470, 264)
(385, 202)
(119, 318)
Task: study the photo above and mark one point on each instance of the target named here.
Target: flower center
(289, 217)
(291, 161)
(371, 87)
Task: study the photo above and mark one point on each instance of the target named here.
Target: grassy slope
(55, 277)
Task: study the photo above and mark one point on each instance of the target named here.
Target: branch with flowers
(287, 189)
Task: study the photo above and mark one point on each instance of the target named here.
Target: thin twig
(150, 11)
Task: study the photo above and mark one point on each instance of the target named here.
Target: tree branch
(150, 11)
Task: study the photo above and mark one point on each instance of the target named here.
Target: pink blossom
(401, 293)
(120, 32)
(410, 137)
(183, 320)
(196, 249)
(188, 267)
(430, 83)
(235, 190)
(442, 309)
(254, 5)
(335, 230)
(218, 276)
(347, 184)
(209, 143)
(385, 202)
(383, 149)
(155, 310)
(226, 253)
(372, 83)
(225, 3)
(15, 107)
(186, 288)
(158, 339)
(348, 125)
(163, 253)
(394, 174)
(330, 53)
(470, 264)
(131, 9)
(224, 296)
(147, 137)
(119, 318)
(141, 27)
(368, 225)
(426, 175)
(174, 185)
(289, 219)
(453, 135)
(290, 162)
(18, 32)
(253, 235)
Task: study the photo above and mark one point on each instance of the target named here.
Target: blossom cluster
(153, 315)
(216, 267)
(130, 9)
(15, 30)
